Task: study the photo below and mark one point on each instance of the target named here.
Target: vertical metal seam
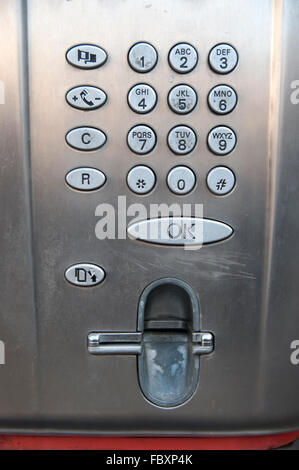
(22, 11)
(272, 157)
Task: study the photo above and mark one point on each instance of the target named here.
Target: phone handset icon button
(86, 97)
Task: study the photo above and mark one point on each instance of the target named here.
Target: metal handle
(130, 343)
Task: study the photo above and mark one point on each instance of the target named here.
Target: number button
(142, 98)
(182, 99)
(142, 57)
(181, 180)
(181, 139)
(141, 179)
(141, 139)
(221, 180)
(223, 58)
(222, 140)
(183, 58)
(222, 99)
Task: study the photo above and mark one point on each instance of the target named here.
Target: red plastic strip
(37, 442)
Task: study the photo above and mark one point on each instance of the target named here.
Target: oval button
(179, 231)
(86, 97)
(85, 274)
(86, 138)
(85, 179)
(86, 56)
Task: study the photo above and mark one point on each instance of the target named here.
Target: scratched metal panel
(247, 385)
(18, 374)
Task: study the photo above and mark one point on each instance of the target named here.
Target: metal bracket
(130, 343)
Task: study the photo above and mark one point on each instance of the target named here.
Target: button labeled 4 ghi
(86, 97)
(85, 274)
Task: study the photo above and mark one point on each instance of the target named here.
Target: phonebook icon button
(86, 56)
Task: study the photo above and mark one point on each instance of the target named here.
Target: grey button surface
(223, 58)
(183, 57)
(85, 274)
(86, 138)
(181, 180)
(142, 57)
(85, 179)
(221, 180)
(86, 56)
(182, 99)
(141, 179)
(181, 139)
(222, 140)
(179, 231)
(142, 98)
(222, 99)
(141, 139)
(86, 97)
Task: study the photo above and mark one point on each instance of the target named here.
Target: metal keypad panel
(84, 161)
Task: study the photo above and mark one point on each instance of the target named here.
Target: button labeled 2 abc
(86, 138)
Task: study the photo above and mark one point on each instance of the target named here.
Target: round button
(141, 179)
(223, 58)
(141, 139)
(222, 140)
(221, 180)
(183, 57)
(222, 99)
(142, 57)
(181, 180)
(182, 99)
(181, 139)
(142, 98)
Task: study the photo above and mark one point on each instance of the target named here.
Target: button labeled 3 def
(86, 56)
(85, 274)
(86, 138)
(85, 179)
(86, 97)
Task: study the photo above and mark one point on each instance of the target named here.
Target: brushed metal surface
(247, 285)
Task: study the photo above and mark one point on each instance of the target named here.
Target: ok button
(86, 138)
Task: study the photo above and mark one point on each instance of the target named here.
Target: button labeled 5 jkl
(86, 138)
